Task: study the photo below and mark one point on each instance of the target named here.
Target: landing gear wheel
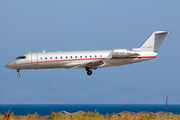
(89, 72)
(18, 75)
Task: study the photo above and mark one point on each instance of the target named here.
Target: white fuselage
(51, 60)
(90, 59)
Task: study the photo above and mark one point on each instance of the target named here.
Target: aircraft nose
(8, 65)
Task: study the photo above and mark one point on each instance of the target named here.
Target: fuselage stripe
(82, 59)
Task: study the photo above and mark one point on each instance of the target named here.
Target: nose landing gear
(89, 72)
(18, 73)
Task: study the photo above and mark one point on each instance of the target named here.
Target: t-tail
(154, 42)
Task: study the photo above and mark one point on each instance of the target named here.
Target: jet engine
(121, 53)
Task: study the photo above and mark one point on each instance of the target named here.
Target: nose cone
(10, 65)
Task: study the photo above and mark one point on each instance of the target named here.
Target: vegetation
(97, 116)
(89, 116)
(29, 117)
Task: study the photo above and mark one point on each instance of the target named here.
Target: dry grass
(1, 117)
(29, 117)
(89, 116)
(97, 116)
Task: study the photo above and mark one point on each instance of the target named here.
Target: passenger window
(56, 57)
(90, 56)
(95, 56)
(76, 56)
(46, 58)
(66, 57)
(80, 56)
(50, 57)
(41, 58)
(71, 57)
(85, 56)
(61, 57)
(100, 55)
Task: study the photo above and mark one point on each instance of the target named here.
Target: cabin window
(55, 57)
(50, 57)
(76, 57)
(46, 58)
(66, 57)
(100, 55)
(85, 56)
(41, 58)
(95, 56)
(61, 57)
(90, 56)
(71, 57)
(80, 56)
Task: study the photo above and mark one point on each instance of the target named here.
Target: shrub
(1, 117)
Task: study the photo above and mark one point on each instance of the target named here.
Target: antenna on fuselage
(44, 50)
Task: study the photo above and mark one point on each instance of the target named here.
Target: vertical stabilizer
(159, 38)
(154, 42)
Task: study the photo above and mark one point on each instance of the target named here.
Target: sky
(77, 25)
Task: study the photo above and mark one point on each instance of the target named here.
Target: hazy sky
(71, 25)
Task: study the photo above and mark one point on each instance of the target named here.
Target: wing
(93, 64)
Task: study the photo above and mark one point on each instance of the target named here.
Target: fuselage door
(34, 58)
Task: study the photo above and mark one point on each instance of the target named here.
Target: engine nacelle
(121, 53)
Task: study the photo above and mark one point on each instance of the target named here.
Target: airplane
(89, 60)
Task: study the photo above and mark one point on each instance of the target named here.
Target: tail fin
(154, 42)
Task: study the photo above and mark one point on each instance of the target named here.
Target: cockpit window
(21, 57)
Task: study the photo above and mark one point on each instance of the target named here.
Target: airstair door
(34, 58)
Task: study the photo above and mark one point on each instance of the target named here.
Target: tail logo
(147, 47)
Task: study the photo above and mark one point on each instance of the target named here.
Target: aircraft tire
(18, 75)
(89, 72)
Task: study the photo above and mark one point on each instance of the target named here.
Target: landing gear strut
(89, 72)
(18, 74)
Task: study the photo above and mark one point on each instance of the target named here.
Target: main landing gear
(89, 72)
(18, 74)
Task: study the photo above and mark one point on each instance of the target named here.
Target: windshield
(21, 57)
